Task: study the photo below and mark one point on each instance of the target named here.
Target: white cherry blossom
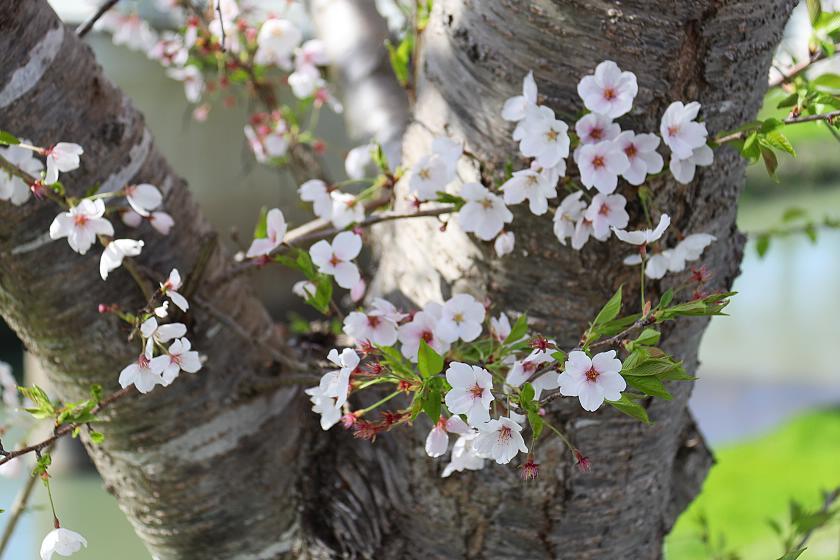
(335, 258)
(13, 188)
(645, 236)
(536, 184)
(684, 169)
(515, 108)
(470, 393)
(63, 157)
(544, 138)
(143, 198)
(81, 224)
(640, 150)
(358, 161)
(609, 91)
(675, 259)
(593, 128)
(162, 222)
(346, 209)
(504, 243)
(170, 289)
(170, 50)
(567, 215)
(316, 192)
(583, 231)
(606, 211)
(275, 228)
(437, 442)
(145, 373)
(432, 173)
(304, 289)
(484, 214)
(592, 380)
(546, 382)
(522, 370)
(312, 53)
(181, 358)
(461, 318)
(500, 440)
(63, 542)
(680, 131)
(306, 81)
(500, 327)
(370, 327)
(193, 81)
(154, 332)
(423, 326)
(276, 42)
(600, 165)
(115, 252)
(331, 393)
(464, 456)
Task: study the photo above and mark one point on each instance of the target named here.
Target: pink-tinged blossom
(500, 440)
(193, 81)
(81, 224)
(544, 138)
(370, 327)
(640, 150)
(470, 393)
(437, 442)
(335, 258)
(592, 380)
(464, 456)
(115, 252)
(673, 260)
(357, 292)
(169, 50)
(522, 370)
(461, 318)
(593, 128)
(331, 393)
(432, 173)
(423, 326)
(145, 373)
(63, 542)
(170, 289)
(162, 222)
(680, 131)
(583, 231)
(312, 53)
(567, 215)
(600, 165)
(504, 243)
(346, 209)
(181, 358)
(645, 236)
(609, 91)
(484, 214)
(275, 229)
(606, 211)
(63, 157)
(684, 169)
(316, 192)
(13, 188)
(143, 198)
(500, 327)
(536, 184)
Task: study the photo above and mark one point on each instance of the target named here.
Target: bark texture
(206, 467)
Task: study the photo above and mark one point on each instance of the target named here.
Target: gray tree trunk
(228, 463)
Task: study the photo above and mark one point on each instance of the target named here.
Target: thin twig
(83, 29)
(17, 510)
(797, 69)
(221, 23)
(740, 135)
(830, 498)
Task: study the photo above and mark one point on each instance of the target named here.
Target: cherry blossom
(640, 150)
(684, 169)
(225, 25)
(544, 138)
(484, 214)
(193, 81)
(645, 236)
(567, 215)
(304, 289)
(305, 81)
(62, 541)
(316, 192)
(334, 258)
(515, 108)
(545, 382)
(151, 330)
(162, 222)
(331, 393)
(115, 252)
(593, 128)
(461, 318)
(143, 198)
(437, 441)
(181, 358)
(609, 91)
(433, 172)
(606, 211)
(583, 231)
(128, 29)
(145, 373)
(470, 393)
(522, 370)
(375, 327)
(592, 380)
(346, 209)
(277, 40)
(500, 327)
(275, 228)
(680, 131)
(535, 184)
(600, 165)
(312, 53)
(170, 287)
(504, 243)
(81, 224)
(358, 161)
(13, 188)
(170, 50)
(63, 157)
(500, 439)
(423, 326)
(357, 292)
(464, 456)
(673, 260)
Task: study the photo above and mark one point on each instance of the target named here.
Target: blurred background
(768, 394)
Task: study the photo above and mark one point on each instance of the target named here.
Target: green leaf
(796, 553)
(97, 437)
(44, 462)
(400, 57)
(537, 423)
(771, 162)
(653, 366)
(762, 243)
(814, 10)
(779, 141)
(649, 386)
(792, 214)
(811, 232)
(610, 310)
(559, 356)
(827, 81)
(261, 228)
(447, 198)
(8, 138)
(630, 408)
(429, 362)
(323, 294)
(518, 330)
(431, 404)
(666, 298)
(526, 397)
(751, 150)
(648, 337)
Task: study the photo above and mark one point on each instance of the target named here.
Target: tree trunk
(218, 466)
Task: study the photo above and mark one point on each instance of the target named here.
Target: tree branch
(85, 27)
(829, 118)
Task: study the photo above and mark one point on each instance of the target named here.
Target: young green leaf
(429, 362)
(8, 138)
(631, 408)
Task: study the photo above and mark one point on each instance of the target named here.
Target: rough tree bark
(217, 466)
